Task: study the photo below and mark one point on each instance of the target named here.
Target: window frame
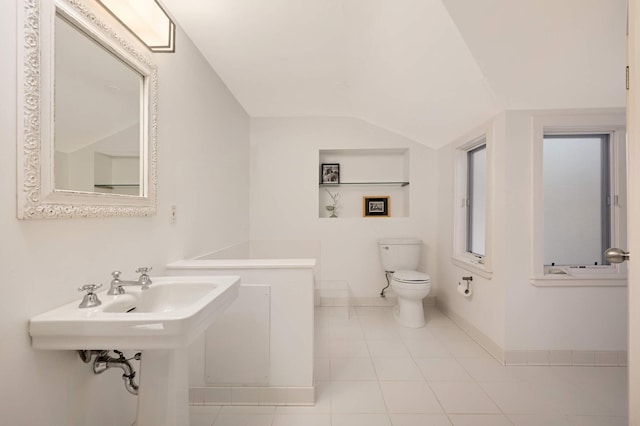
(566, 125)
(479, 264)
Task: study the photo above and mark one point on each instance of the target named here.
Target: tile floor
(371, 372)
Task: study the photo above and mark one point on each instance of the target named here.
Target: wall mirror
(87, 115)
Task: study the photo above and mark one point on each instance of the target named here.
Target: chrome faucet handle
(115, 288)
(89, 288)
(144, 279)
(90, 300)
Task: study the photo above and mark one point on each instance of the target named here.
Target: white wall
(507, 308)
(557, 318)
(485, 310)
(203, 168)
(284, 197)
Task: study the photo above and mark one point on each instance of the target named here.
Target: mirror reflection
(97, 116)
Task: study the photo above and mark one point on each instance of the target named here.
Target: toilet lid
(411, 277)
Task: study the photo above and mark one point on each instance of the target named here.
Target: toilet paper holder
(468, 279)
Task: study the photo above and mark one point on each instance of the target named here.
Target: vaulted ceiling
(426, 69)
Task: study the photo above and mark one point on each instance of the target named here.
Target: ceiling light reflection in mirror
(147, 20)
(98, 130)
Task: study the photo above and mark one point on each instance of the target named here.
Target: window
(476, 203)
(578, 199)
(472, 214)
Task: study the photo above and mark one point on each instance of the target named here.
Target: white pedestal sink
(161, 321)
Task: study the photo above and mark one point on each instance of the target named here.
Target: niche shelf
(117, 185)
(373, 172)
(366, 184)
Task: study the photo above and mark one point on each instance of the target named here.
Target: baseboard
(567, 358)
(324, 298)
(595, 358)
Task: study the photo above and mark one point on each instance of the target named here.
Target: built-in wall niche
(117, 174)
(377, 172)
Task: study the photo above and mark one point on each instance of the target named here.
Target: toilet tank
(399, 254)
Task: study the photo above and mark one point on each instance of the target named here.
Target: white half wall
(203, 168)
(284, 197)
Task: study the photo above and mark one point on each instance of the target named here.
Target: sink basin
(171, 313)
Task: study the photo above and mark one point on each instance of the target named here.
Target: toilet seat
(411, 277)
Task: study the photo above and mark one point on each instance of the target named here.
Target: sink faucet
(117, 284)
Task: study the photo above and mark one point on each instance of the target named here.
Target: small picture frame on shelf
(377, 206)
(330, 173)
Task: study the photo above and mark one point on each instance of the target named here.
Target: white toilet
(401, 257)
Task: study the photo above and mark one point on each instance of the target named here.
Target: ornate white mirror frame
(37, 197)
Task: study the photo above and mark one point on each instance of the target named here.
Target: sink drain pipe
(104, 361)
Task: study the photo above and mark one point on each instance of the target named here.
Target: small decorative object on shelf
(375, 206)
(333, 208)
(330, 173)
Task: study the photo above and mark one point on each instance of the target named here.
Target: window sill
(472, 265)
(596, 280)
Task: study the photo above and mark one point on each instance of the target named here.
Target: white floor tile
(597, 375)
(322, 346)
(341, 348)
(374, 311)
(371, 371)
(203, 415)
(398, 369)
(463, 398)
(201, 419)
(422, 333)
(381, 333)
(244, 420)
(361, 420)
(442, 369)
(480, 420)
(465, 348)
(302, 420)
(322, 369)
(410, 397)
(427, 349)
(538, 420)
(488, 370)
(522, 398)
(352, 369)
(537, 374)
(322, 405)
(447, 332)
(388, 349)
(420, 420)
(248, 409)
(205, 409)
(594, 399)
(347, 333)
(596, 421)
(357, 397)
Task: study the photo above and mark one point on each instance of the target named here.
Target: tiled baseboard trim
(537, 357)
(567, 357)
(363, 301)
(247, 395)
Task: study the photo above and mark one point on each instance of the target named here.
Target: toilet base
(409, 313)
